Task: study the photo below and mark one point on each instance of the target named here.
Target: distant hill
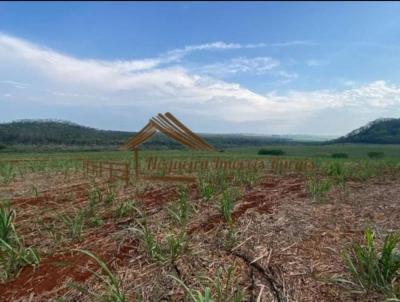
(45, 135)
(57, 132)
(380, 131)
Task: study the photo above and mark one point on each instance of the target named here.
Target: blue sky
(272, 68)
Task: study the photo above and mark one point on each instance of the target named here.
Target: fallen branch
(276, 288)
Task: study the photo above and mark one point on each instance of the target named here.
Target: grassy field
(353, 150)
(234, 235)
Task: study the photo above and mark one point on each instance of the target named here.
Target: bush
(2, 147)
(275, 152)
(374, 154)
(339, 155)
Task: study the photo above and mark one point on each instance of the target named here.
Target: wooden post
(126, 173)
(136, 162)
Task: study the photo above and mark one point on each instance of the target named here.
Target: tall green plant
(7, 173)
(74, 223)
(318, 188)
(224, 289)
(372, 269)
(126, 208)
(114, 291)
(7, 216)
(180, 210)
(110, 196)
(166, 251)
(195, 295)
(13, 254)
(206, 188)
(338, 173)
(150, 244)
(226, 206)
(14, 257)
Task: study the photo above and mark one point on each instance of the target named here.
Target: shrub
(375, 154)
(275, 152)
(339, 155)
(373, 270)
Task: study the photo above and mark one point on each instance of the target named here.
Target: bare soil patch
(287, 248)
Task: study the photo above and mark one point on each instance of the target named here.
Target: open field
(300, 150)
(253, 235)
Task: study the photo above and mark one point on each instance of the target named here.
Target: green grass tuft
(372, 269)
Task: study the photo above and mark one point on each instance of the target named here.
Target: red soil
(156, 197)
(54, 271)
(49, 276)
(262, 198)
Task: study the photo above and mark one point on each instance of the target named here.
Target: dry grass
(275, 244)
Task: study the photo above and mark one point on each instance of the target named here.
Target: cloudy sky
(271, 68)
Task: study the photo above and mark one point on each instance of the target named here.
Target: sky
(313, 68)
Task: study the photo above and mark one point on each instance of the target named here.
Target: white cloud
(177, 54)
(257, 65)
(15, 84)
(294, 43)
(146, 83)
(287, 77)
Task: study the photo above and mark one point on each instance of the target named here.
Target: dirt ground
(286, 247)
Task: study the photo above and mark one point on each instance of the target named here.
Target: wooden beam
(173, 128)
(169, 133)
(150, 131)
(199, 145)
(177, 122)
(171, 178)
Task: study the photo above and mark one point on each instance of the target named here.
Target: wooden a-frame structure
(171, 127)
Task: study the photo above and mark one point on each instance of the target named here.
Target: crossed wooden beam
(171, 127)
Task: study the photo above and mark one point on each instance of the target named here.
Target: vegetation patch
(339, 155)
(375, 154)
(274, 152)
(375, 269)
(234, 235)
